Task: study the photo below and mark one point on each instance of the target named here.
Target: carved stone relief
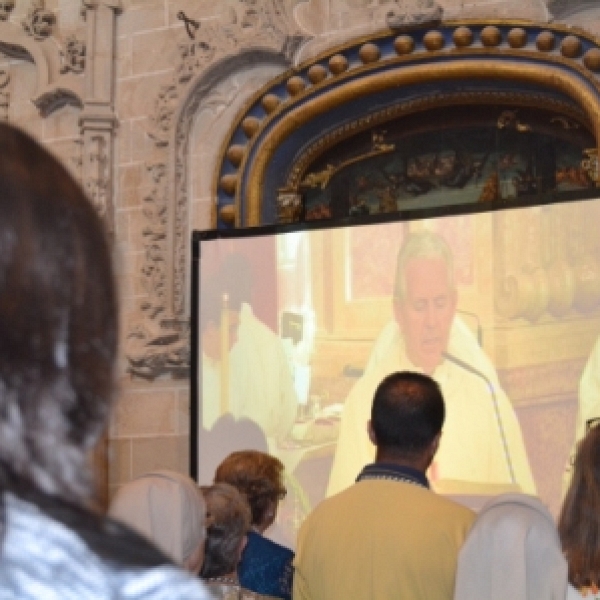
(38, 21)
(97, 121)
(73, 55)
(6, 7)
(97, 182)
(4, 94)
(514, 9)
(334, 21)
(61, 73)
(158, 344)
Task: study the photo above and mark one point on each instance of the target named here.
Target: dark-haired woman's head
(58, 321)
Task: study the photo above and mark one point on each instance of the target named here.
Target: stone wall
(178, 83)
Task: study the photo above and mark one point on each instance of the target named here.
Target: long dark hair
(579, 522)
(58, 319)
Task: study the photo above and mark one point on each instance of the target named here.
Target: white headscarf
(165, 507)
(512, 552)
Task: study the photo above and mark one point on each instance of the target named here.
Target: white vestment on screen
(261, 386)
(475, 447)
(589, 404)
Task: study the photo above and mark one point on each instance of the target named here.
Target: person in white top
(512, 552)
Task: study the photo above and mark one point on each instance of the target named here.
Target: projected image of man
(482, 441)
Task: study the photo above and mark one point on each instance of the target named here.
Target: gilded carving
(590, 165)
(289, 207)
(235, 154)
(270, 102)
(517, 37)
(433, 40)
(316, 74)
(463, 37)
(592, 59)
(322, 178)
(338, 64)
(491, 36)
(404, 44)
(545, 41)
(229, 184)
(295, 85)
(341, 133)
(228, 214)
(508, 120)
(571, 47)
(369, 53)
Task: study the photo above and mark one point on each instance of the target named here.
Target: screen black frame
(199, 236)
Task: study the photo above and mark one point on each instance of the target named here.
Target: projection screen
(293, 328)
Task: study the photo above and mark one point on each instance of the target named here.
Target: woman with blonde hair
(579, 522)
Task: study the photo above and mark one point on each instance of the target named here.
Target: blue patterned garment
(266, 567)
(42, 559)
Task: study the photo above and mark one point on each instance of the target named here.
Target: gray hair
(227, 522)
(421, 244)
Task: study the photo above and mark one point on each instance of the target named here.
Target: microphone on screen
(474, 371)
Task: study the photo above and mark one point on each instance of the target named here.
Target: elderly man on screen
(482, 441)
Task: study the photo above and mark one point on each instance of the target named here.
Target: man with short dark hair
(388, 535)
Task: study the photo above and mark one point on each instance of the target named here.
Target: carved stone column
(98, 121)
(98, 124)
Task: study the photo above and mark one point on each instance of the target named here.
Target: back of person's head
(512, 552)
(168, 509)
(258, 476)
(407, 414)
(227, 522)
(58, 320)
(579, 522)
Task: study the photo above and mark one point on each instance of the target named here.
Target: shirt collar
(393, 472)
